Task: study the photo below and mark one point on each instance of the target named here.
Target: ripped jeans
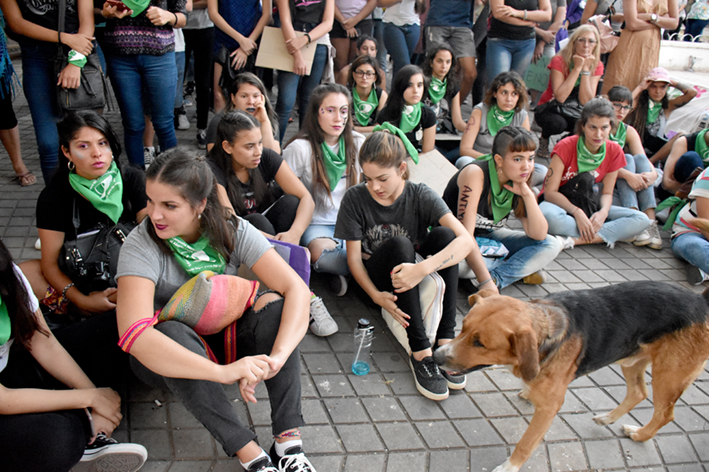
(331, 261)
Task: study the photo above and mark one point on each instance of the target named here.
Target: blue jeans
(400, 42)
(508, 54)
(39, 82)
(695, 28)
(693, 248)
(526, 257)
(157, 77)
(621, 224)
(624, 195)
(331, 261)
(378, 31)
(180, 65)
(288, 89)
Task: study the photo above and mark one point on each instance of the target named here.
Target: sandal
(26, 179)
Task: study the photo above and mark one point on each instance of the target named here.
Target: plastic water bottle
(363, 335)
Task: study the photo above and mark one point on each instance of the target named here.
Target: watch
(653, 18)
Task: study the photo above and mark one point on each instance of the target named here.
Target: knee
(399, 249)
(551, 244)
(442, 235)
(290, 203)
(265, 299)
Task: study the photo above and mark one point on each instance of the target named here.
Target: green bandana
(653, 111)
(676, 204)
(197, 257)
(701, 147)
(620, 134)
(364, 108)
(105, 193)
(5, 326)
(386, 126)
(501, 198)
(335, 164)
(497, 119)
(410, 117)
(437, 89)
(587, 161)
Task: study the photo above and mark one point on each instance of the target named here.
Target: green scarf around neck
(497, 119)
(105, 193)
(437, 89)
(587, 161)
(364, 108)
(500, 198)
(620, 135)
(335, 164)
(410, 117)
(5, 325)
(701, 147)
(653, 111)
(197, 257)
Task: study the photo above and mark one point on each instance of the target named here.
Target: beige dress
(637, 52)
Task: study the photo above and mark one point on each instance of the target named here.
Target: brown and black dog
(550, 342)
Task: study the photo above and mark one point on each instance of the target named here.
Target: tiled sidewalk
(379, 422)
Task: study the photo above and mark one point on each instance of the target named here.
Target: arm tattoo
(463, 202)
(450, 258)
(471, 122)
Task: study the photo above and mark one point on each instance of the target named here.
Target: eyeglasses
(332, 111)
(620, 106)
(368, 74)
(586, 41)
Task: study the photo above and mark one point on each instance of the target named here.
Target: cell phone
(120, 6)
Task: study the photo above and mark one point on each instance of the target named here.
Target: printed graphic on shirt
(376, 235)
(42, 7)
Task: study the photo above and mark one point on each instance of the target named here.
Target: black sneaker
(338, 284)
(202, 138)
(454, 382)
(262, 465)
(429, 380)
(293, 460)
(106, 454)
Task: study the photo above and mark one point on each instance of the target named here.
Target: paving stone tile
(260, 413)
(585, 427)
(346, 410)
(533, 291)
(512, 291)
(640, 454)
(329, 462)
(525, 407)
(593, 264)
(587, 276)
(504, 379)
(311, 343)
(314, 412)
(401, 383)
(307, 388)
(459, 405)
(321, 439)
(383, 409)
(689, 420)
(407, 462)
(618, 394)
(359, 437)
(324, 363)
(373, 462)
(511, 429)
(155, 466)
(399, 436)
(695, 396)
(701, 445)
(653, 274)
(604, 454)
(564, 277)
(595, 399)
(480, 382)
(439, 434)
(686, 468)
(606, 377)
(391, 362)
(478, 432)
(631, 274)
(579, 286)
(567, 456)
(554, 288)
(616, 264)
(493, 404)
(559, 431)
(644, 415)
(421, 408)
(180, 418)
(333, 385)
(156, 441)
(191, 466)
(675, 449)
(193, 444)
(571, 264)
(147, 415)
(610, 275)
(488, 457)
(371, 384)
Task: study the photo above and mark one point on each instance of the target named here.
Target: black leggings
(553, 123)
(399, 249)
(278, 218)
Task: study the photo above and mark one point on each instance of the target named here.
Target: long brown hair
(311, 132)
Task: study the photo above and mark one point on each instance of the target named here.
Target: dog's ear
(524, 345)
(477, 297)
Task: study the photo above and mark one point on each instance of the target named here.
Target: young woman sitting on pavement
(364, 81)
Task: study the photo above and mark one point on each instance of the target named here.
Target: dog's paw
(524, 393)
(631, 431)
(603, 419)
(506, 467)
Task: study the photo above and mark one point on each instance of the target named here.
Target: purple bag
(296, 256)
(561, 35)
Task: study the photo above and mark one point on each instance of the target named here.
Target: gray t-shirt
(141, 256)
(483, 142)
(361, 218)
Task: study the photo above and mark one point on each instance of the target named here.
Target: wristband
(66, 289)
(574, 212)
(77, 59)
(525, 15)
(484, 282)
(175, 19)
(585, 72)
(309, 38)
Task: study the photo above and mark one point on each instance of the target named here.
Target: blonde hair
(567, 53)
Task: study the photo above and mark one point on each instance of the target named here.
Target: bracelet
(484, 282)
(575, 210)
(176, 20)
(66, 289)
(525, 15)
(309, 38)
(585, 72)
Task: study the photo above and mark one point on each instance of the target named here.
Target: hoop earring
(70, 165)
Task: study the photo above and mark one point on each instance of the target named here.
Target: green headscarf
(500, 198)
(197, 257)
(587, 161)
(5, 325)
(335, 164)
(411, 119)
(437, 89)
(497, 119)
(105, 193)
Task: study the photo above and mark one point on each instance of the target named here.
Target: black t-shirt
(55, 205)
(46, 13)
(270, 163)
(502, 30)
(485, 221)
(428, 119)
(692, 141)
(361, 218)
(442, 109)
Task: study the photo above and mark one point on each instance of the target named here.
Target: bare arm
(511, 16)
(428, 143)
(363, 13)
(563, 86)
(471, 134)
(589, 10)
(292, 185)
(703, 212)
(688, 93)
(456, 114)
(668, 179)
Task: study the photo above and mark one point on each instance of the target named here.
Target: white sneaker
(148, 155)
(321, 322)
(567, 242)
(643, 239)
(38, 244)
(696, 276)
(183, 122)
(655, 238)
(106, 454)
